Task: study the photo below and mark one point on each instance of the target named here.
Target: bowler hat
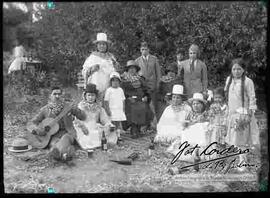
(91, 88)
(20, 145)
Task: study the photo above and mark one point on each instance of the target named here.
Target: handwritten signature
(218, 163)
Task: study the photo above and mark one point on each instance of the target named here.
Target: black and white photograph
(135, 97)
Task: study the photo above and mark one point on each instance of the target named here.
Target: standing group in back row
(178, 105)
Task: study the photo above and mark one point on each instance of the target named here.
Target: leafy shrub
(223, 30)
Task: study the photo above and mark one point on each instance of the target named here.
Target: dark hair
(240, 62)
(114, 78)
(107, 48)
(144, 44)
(219, 91)
(204, 105)
(56, 87)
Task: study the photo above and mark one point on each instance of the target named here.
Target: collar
(190, 61)
(147, 57)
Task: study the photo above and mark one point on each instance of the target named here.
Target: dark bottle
(197, 159)
(104, 142)
(151, 147)
(177, 170)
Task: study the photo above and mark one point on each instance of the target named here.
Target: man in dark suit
(150, 70)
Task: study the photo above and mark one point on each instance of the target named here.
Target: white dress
(170, 124)
(116, 97)
(17, 63)
(100, 78)
(96, 122)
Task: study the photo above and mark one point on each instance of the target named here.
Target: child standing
(218, 113)
(242, 127)
(114, 102)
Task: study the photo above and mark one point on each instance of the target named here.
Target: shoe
(55, 154)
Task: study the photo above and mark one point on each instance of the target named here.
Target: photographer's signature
(222, 162)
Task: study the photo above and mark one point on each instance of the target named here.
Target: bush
(223, 30)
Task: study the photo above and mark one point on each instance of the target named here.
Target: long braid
(228, 87)
(243, 77)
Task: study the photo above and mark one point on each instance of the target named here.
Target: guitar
(41, 142)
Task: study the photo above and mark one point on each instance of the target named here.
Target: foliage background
(223, 30)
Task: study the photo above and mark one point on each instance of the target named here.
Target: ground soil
(32, 172)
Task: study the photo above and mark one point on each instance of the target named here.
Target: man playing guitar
(53, 127)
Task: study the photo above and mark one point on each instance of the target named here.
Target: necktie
(192, 66)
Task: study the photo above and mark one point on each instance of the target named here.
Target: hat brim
(96, 41)
(136, 66)
(20, 151)
(192, 99)
(115, 77)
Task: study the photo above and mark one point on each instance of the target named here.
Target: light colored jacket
(194, 81)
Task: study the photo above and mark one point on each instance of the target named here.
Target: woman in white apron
(98, 66)
(89, 131)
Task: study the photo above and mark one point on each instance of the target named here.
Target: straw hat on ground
(20, 145)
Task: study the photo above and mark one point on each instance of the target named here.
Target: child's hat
(115, 75)
(198, 97)
(178, 89)
(131, 63)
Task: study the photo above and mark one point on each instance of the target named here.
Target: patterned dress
(217, 130)
(248, 134)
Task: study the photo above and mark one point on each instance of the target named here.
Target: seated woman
(172, 120)
(196, 127)
(165, 86)
(89, 131)
(137, 101)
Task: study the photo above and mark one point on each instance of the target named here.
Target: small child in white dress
(114, 102)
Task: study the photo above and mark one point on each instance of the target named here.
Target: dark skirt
(138, 113)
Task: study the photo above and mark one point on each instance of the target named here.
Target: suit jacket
(150, 70)
(65, 123)
(195, 81)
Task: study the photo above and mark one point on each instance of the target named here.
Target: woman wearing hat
(137, 109)
(165, 86)
(98, 66)
(90, 130)
(195, 72)
(196, 127)
(172, 120)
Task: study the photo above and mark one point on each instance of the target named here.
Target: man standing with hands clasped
(195, 72)
(150, 70)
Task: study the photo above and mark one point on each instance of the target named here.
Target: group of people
(178, 105)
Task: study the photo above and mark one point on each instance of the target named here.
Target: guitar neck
(64, 112)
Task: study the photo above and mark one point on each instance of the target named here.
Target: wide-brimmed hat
(91, 88)
(115, 75)
(198, 97)
(102, 37)
(172, 68)
(20, 145)
(132, 63)
(178, 89)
